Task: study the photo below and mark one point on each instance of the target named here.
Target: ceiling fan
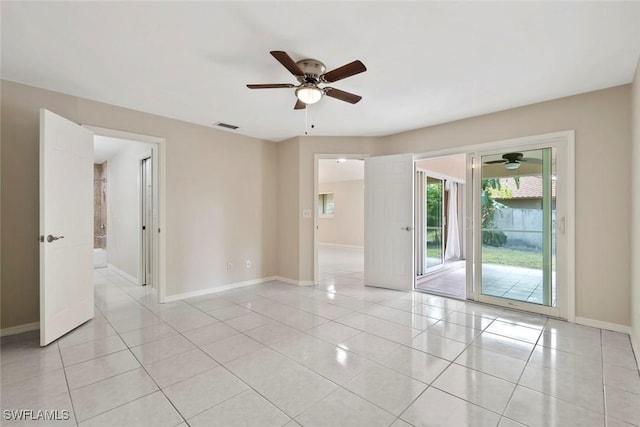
(513, 161)
(310, 73)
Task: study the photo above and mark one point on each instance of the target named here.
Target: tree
(488, 209)
(434, 211)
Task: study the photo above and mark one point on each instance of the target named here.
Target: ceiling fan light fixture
(309, 94)
(512, 166)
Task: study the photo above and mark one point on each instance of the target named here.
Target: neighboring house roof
(530, 187)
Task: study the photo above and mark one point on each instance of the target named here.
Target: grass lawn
(433, 252)
(514, 257)
(503, 256)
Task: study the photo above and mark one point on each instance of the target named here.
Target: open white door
(388, 222)
(66, 226)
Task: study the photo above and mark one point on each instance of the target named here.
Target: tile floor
(450, 280)
(522, 284)
(340, 265)
(336, 354)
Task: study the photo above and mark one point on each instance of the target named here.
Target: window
(325, 205)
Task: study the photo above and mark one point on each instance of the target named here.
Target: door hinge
(158, 230)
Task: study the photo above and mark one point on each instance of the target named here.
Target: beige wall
(346, 227)
(452, 166)
(123, 208)
(289, 213)
(220, 197)
(219, 212)
(635, 257)
(601, 120)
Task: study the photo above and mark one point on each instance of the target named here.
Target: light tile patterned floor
(521, 284)
(450, 280)
(336, 354)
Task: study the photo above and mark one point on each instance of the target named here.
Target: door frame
(565, 198)
(316, 170)
(443, 178)
(567, 308)
(141, 211)
(158, 156)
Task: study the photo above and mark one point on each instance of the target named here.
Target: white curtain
(420, 214)
(452, 251)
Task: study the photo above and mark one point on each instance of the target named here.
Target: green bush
(494, 238)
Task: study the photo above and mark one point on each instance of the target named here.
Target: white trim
(340, 245)
(438, 175)
(159, 164)
(122, 273)
(19, 329)
(114, 133)
(316, 170)
(570, 226)
(616, 327)
(201, 292)
(294, 282)
(484, 146)
(141, 191)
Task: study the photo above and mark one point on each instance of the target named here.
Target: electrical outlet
(248, 263)
(229, 266)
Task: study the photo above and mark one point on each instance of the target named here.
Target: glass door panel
(434, 248)
(518, 216)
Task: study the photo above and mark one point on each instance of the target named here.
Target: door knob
(407, 228)
(51, 238)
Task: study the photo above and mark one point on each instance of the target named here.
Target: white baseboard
(341, 245)
(14, 330)
(124, 274)
(295, 282)
(603, 325)
(201, 292)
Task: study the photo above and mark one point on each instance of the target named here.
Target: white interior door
(66, 226)
(388, 259)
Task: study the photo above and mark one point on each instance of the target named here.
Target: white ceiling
(104, 148)
(428, 62)
(330, 170)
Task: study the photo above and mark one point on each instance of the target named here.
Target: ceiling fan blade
(287, 62)
(495, 162)
(351, 69)
(271, 86)
(300, 105)
(532, 160)
(342, 95)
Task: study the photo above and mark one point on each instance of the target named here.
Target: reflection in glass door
(434, 229)
(518, 233)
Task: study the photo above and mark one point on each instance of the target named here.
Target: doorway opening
(524, 244)
(339, 220)
(517, 232)
(126, 209)
(440, 226)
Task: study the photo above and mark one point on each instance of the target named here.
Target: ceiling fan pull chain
(306, 122)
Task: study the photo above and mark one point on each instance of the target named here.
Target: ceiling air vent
(226, 125)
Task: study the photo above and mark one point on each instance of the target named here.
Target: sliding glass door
(519, 233)
(434, 229)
